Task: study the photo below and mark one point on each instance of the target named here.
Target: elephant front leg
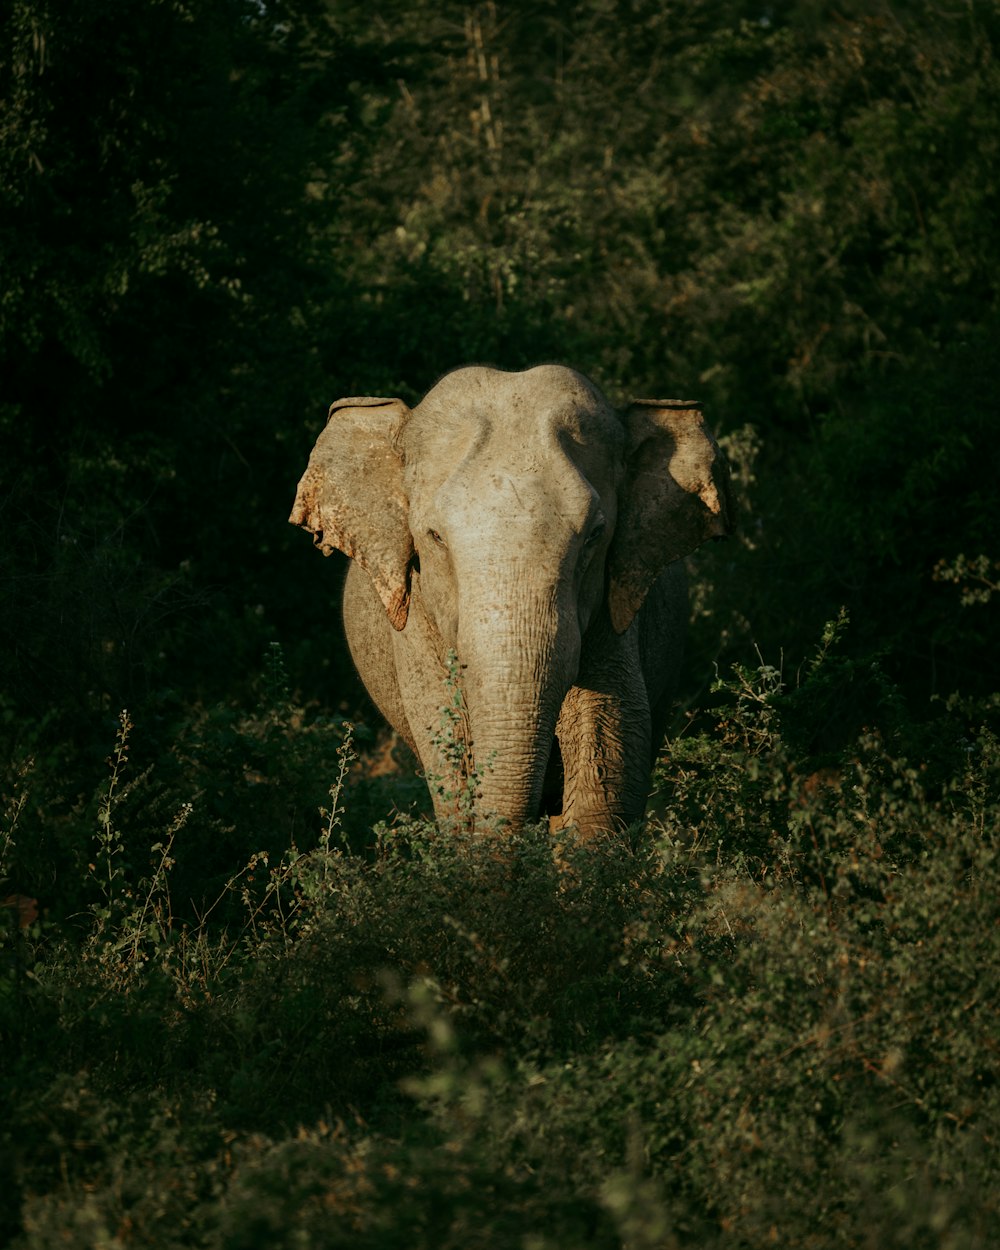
(603, 738)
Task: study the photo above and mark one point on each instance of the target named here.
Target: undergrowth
(770, 1017)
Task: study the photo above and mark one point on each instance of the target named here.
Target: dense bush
(769, 1016)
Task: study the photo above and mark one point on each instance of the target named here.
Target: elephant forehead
(531, 407)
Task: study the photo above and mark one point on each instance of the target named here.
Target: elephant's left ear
(676, 496)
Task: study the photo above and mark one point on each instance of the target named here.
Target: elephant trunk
(519, 658)
(510, 755)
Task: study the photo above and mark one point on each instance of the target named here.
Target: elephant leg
(369, 637)
(406, 675)
(662, 630)
(604, 739)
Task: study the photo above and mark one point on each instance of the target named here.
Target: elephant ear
(676, 495)
(351, 495)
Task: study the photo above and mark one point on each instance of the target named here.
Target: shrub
(769, 1016)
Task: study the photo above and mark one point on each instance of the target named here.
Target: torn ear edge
(351, 496)
(677, 497)
(696, 462)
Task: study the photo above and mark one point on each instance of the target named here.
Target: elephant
(518, 522)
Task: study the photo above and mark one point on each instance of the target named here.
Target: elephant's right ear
(351, 495)
(676, 496)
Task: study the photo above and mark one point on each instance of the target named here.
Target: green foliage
(976, 577)
(457, 786)
(770, 1016)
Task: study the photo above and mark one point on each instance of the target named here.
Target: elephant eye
(596, 534)
(437, 538)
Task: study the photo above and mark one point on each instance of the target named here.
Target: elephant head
(518, 519)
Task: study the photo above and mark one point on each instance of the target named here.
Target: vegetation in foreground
(769, 1018)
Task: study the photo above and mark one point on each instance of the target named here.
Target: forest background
(221, 215)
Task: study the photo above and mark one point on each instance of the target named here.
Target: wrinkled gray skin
(518, 519)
